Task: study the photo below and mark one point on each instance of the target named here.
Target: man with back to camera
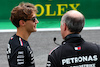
(19, 52)
(74, 51)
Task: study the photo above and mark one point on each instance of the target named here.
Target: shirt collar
(72, 36)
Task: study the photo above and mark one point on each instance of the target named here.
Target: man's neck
(23, 34)
(67, 33)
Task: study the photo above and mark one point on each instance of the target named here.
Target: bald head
(74, 21)
(74, 14)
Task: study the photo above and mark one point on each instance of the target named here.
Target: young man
(19, 52)
(74, 51)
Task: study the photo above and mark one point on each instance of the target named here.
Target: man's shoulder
(56, 50)
(91, 43)
(13, 39)
(91, 46)
(16, 41)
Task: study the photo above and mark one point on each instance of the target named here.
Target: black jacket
(75, 52)
(19, 53)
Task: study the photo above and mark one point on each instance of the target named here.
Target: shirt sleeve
(17, 57)
(51, 62)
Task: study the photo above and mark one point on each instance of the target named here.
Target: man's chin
(34, 30)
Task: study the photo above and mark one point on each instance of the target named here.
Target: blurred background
(50, 11)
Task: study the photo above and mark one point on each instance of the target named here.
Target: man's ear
(65, 27)
(21, 22)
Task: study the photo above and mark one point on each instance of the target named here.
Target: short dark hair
(21, 12)
(75, 24)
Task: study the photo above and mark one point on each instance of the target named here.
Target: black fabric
(75, 52)
(19, 53)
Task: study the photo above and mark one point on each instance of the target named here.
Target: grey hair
(74, 24)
